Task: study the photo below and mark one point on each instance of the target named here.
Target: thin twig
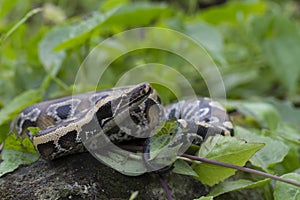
(165, 187)
(245, 169)
(218, 163)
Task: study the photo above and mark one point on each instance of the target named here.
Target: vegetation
(246, 51)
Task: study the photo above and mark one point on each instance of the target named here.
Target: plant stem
(245, 169)
(19, 23)
(165, 187)
(214, 162)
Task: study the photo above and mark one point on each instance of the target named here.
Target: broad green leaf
(123, 161)
(50, 59)
(130, 15)
(12, 142)
(164, 145)
(162, 137)
(208, 36)
(13, 159)
(122, 16)
(4, 129)
(264, 113)
(232, 12)
(230, 186)
(240, 77)
(289, 133)
(19, 103)
(76, 34)
(110, 4)
(273, 152)
(290, 162)
(224, 149)
(281, 51)
(289, 113)
(182, 167)
(16, 152)
(287, 191)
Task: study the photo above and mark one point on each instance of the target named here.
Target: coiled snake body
(122, 114)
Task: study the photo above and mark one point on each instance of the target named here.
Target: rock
(81, 176)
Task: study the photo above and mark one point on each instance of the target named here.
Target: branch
(245, 169)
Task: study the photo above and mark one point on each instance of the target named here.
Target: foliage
(224, 149)
(254, 44)
(284, 191)
(16, 152)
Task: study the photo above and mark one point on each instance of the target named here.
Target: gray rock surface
(81, 176)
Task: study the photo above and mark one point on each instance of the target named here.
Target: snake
(122, 114)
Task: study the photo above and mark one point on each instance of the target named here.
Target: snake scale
(122, 114)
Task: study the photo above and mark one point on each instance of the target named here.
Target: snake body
(122, 114)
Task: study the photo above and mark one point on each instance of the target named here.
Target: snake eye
(139, 93)
(63, 111)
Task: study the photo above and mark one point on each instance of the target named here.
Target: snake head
(135, 107)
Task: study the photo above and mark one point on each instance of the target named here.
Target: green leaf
(230, 186)
(162, 137)
(166, 156)
(13, 159)
(124, 162)
(4, 129)
(121, 16)
(108, 5)
(264, 113)
(289, 133)
(273, 152)
(232, 12)
(16, 152)
(281, 49)
(76, 34)
(290, 162)
(288, 112)
(224, 149)
(287, 191)
(130, 15)
(34, 130)
(205, 198)
(209, 37)
(19, 103)
(182, 167)
(164, 145)
(52, 60)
